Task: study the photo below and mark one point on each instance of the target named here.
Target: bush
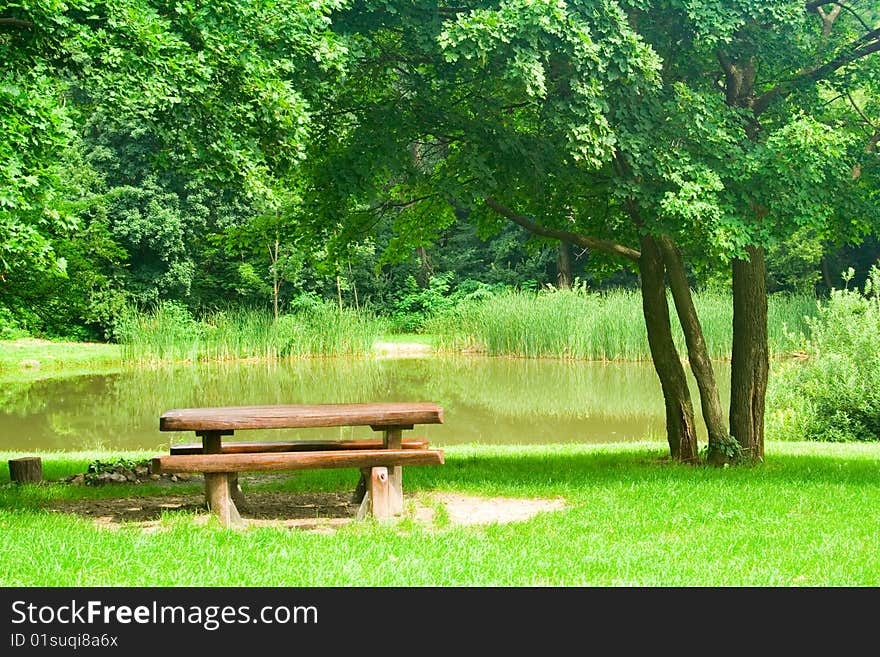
(10, 327)
(832, 396)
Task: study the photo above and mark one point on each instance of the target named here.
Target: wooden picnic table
(380, 462)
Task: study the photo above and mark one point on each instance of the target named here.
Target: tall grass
(599, 326)
(171, 333)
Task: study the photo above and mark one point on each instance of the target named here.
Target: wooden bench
(380, 461)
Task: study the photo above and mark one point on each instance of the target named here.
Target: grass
(807, 517)
(606, 326)
(33, 358)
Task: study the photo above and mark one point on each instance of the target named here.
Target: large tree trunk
(680, 431)
(698, 355)
(750, 362)
(563, 266)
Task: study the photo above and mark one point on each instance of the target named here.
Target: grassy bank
(807, 517)
(606, 326)
(29, 358)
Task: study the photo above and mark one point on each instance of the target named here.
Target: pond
(485, 400)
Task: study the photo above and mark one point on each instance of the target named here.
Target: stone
(155, 477)
(183, 476)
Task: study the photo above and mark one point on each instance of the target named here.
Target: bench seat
(295, 446)
(362, 458)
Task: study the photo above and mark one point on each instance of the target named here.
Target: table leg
(219, 492)
(220, 500)
(392, 440)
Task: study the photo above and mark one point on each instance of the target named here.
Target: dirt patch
(320, 512)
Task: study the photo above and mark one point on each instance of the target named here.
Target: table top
(292, 416)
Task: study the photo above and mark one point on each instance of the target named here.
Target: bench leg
(395, 490)
(361, 489)
(220, 500)
(235, 492)
(384, 498)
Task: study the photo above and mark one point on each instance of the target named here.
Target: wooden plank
(296, 460)
(297, 446)
(299, 416)
(26, 470)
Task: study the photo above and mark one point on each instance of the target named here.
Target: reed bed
(170, 333)
(600, 326)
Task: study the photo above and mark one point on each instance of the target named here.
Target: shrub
(832, 396)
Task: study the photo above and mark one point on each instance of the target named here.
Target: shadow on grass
(522, 474)
(260, 507)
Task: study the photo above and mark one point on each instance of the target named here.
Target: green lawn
(807, 517)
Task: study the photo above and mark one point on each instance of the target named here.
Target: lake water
(485, 400)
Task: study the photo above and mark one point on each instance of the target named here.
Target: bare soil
(320, 512)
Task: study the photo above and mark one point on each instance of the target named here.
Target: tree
(625, 128)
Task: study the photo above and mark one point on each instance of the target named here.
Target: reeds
(599, 326)
(171, 333)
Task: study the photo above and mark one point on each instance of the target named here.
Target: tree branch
(816, 7)
(861, 113)
(16, 22)
(865, 45)
(584, 241)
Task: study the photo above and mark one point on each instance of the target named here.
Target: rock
(183, 476)
(155, 477)
(117, 477)
(141, 471)
(77, 480)
(173, 477)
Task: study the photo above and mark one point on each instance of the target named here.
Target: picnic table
(380, 461)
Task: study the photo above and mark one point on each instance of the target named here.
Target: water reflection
(486, 400)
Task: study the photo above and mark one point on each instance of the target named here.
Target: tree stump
(27, 470)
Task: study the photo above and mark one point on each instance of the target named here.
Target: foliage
(833, 395)
(118, 464)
